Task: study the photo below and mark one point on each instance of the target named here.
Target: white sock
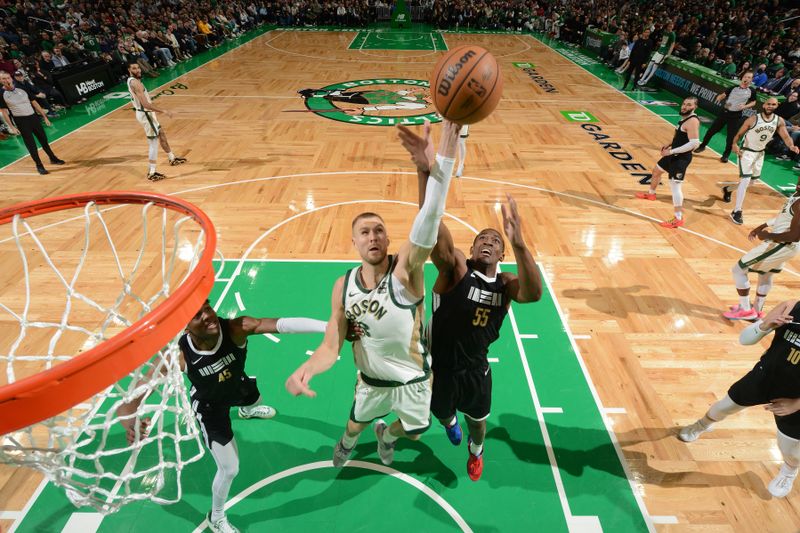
(453, 422)
(388, 437)
(227, 459)
(475, 449)
(741, 192)
(760, 302)
(348, 441)
(171, 156)
(744, 302)
(679, 215)
(152, 168)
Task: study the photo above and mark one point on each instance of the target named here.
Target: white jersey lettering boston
(391, 348)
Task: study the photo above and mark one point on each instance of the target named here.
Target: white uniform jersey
(391, 348)
(784, 219)
(757, 137)
(136, 104)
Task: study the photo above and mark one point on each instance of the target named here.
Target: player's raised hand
(511, 223)
(130, 428)
(297, 383)
(420, 147)
(779, 315)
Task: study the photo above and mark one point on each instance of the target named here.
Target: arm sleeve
(426, 224)
(300, 325)
(753, 334)
(752, 95)
(691, 145)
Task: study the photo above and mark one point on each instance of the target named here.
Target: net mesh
(77, 278)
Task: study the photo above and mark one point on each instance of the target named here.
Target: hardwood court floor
(644, 303)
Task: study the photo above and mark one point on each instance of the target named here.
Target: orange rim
(48, 393)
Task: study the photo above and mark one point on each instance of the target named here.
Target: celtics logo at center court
(374, 102)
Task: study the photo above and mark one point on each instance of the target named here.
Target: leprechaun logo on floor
(373, 102)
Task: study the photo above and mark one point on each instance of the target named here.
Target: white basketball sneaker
(259, 411)
(782, 484)
(385, 451)
(693, 431)
(220, 526)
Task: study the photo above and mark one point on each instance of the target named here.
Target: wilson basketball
(466, 84)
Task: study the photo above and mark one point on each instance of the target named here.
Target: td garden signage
(373, 102)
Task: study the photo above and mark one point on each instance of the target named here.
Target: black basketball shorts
(754, 389)
(215, 417)
(468, 391)
(675, 166)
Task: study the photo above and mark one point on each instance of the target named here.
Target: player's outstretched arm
(527, 285)
(126, 411)
(425, 229)
(327, 352)
(773, 320)
(444, 254)
(244, 326)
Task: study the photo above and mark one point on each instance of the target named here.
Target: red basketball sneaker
(474, 465)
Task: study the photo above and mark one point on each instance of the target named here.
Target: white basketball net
(86, 279)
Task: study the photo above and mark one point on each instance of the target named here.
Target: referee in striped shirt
(737, 99)
(23, 107)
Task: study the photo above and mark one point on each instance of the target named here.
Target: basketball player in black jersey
(470, 301)
(213, 352)
(775, 383)
(675, 159)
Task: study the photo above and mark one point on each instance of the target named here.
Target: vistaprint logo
(373, 102)
(85, 87)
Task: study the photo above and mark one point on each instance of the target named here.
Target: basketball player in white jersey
(384, 297)
(462, 149)
(757, 131)
(780, 245)
(146, 115)
(213, 351)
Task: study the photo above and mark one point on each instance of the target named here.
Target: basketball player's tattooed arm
(327, 352)
(126, 411)
(527, 285)
(791, 235)
(449, 261)
(138, 90)
(746, 125)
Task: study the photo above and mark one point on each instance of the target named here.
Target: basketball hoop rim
(50, 392)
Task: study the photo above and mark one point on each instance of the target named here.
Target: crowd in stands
(728, 36)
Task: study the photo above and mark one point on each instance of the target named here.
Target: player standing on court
(675, 160)
(385, 296)
(775, 383)
(470, 301)
(780, 245)
(213, 352)
(757, 131)
(146, 115)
